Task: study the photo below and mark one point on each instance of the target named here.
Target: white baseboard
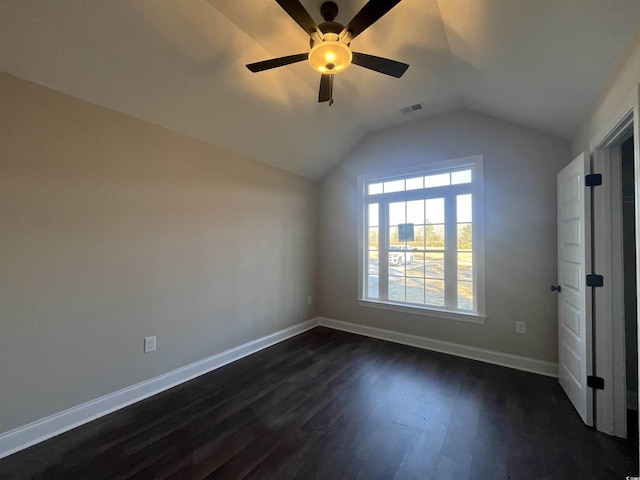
(518, 362)
(45, 428)
(40, 430)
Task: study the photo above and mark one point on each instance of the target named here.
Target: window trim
(475, 161)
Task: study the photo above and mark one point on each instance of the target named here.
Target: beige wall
(113, 229)
(520, 201)
(606, 107)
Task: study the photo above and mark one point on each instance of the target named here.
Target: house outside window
(421, 247)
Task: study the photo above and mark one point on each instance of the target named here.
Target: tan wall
(520, 168)
(606, 107)
(113, 229)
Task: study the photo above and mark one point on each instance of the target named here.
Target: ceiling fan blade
(296, 11)
(379, 64)
(368, 15)
(277, 62)
(326, 88)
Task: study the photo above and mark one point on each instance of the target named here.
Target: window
(421, 247)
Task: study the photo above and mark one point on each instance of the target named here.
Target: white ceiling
(180, 64)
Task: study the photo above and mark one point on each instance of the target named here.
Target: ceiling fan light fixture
(330, 57)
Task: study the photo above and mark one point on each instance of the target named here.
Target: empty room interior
(305, 239)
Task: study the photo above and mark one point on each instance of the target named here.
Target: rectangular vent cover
(411, 108)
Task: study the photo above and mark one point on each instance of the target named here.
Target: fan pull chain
(331, 78)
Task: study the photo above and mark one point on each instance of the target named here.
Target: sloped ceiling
(180, 64)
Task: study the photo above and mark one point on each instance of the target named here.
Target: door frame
(611, 404)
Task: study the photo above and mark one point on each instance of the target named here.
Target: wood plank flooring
(332, 405)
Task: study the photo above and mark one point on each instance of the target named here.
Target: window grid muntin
(452, 283)
(399, 183)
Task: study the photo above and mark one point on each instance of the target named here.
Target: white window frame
(477, 190)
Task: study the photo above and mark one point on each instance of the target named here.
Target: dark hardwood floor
(332, 405)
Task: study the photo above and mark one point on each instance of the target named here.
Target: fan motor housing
(331, 30)
(331, 27)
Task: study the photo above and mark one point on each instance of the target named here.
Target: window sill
(424, 311)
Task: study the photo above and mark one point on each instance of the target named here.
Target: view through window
(421, 239)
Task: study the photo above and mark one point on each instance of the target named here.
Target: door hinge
(595, 280)
(597, 383)
(593, 180)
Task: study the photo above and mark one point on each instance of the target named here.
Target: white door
(574, 300)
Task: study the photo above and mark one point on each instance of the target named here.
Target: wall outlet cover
(149, 344)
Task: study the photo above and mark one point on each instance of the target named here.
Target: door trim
(611, 403)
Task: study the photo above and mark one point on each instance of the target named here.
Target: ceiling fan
(330, 43)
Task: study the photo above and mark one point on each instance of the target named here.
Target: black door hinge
(593, 180)
(597, 383)
(595, 280)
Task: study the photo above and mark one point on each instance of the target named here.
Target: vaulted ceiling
(180, 64)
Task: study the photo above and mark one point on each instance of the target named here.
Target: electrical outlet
(521, 327)
(149, 344)
(309, 300)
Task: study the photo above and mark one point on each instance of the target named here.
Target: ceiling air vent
(411, 108)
